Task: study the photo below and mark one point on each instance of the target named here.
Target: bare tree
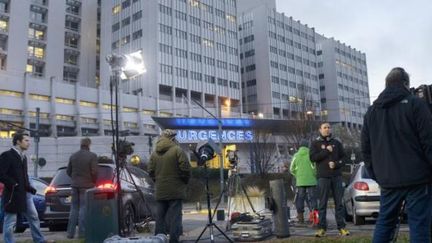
(263, 150)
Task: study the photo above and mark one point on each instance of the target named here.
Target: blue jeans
(32, 217)
(169, 218)
(307, 193)
(77, 213)
(325, 186)
(418, 203)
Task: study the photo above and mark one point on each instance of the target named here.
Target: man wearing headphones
(397, 149)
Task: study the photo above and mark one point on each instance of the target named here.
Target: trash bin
(101, 220)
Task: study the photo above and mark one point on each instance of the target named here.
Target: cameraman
(397, 148)
(170, 169)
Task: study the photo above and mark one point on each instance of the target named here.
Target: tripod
(210, 223)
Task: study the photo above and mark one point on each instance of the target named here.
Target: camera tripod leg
(210, 227)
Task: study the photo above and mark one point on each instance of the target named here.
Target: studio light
(129, 65)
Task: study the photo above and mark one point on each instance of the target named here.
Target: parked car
(135, 209)
(39, 201)
(361, 196)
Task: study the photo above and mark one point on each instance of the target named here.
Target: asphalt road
(194, 222)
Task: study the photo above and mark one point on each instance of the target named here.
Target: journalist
(83, 170)
(328, 153)
(170, 169)
(396, 144)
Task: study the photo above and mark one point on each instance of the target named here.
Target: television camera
(424, 92)
(205, 151)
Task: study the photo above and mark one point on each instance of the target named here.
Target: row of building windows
(352, 79)
(167, 69)
(197, 57)
(289, 28)
(351, 67)
(354, 101)
(353, 90)
(291, 42)
(292, 70)
(195, 3)
(292, 56)
(349, 55)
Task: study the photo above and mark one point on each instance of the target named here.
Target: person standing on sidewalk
(396, 143)
(305, 174)
(170, 169)
(327, 153)
(83, 170)
(18, 194)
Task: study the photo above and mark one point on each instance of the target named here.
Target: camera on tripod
(205, 150)
(232, 158)
(424, 92)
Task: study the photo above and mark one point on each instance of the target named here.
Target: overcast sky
(390, 32)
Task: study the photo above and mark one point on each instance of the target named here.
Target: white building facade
(344, 82)
(190, 50)
(278, 63)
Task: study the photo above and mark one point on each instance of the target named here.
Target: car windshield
(105, 173)
(39, 186)
(365, 173)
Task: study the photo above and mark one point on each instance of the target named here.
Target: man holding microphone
(327, 153)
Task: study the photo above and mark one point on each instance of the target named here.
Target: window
(35, 51)
(275, 80)
(165, 29)
(195, 21)
(196, 76)
(115, 27)
(71, 57)
(181, 53)
(71, 40)
(222, 82)
(250, 83)
(126, 4)
(209, 79)
(72, 24)
(207, 42)
(64, 101)
(38, 16)
(4, 25)
(166, 69)
(195, 39)
(250, 68)
(88, 104)
(116, 9)
(234, 85)
(209, 61)
(73, 7)
(195, 57)
(165, 48)
(33, 33)
(180, 72)
(137, 35)
(125, 21)
(35, 68)
(248, 39)
(165, 10)
(181, 34)
(137, 15)
(181, 15)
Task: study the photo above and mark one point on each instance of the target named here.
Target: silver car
(361, 197)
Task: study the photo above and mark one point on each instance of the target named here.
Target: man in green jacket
(170, 169)
(305, 174)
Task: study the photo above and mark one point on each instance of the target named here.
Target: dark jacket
(170, 168)
(321, 156)
(83, 169)
(397, 139)
(13, 171)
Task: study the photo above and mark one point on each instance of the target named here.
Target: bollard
(280, 213)
(101, 215)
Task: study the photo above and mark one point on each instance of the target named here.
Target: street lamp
(123, 67)
(309, 115)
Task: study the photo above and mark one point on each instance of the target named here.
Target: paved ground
(194, 222)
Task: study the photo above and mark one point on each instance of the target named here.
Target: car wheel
(348, 217)
(357, 220)
(58, 227)
(129, 219)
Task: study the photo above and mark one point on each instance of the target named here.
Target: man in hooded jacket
(170, 169)
(397, 149)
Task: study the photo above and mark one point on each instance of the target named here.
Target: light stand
(210, 224)
(122, 67)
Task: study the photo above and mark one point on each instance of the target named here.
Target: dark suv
(135, 210)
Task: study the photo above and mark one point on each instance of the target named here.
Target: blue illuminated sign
(209, 122)
(202, 135)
